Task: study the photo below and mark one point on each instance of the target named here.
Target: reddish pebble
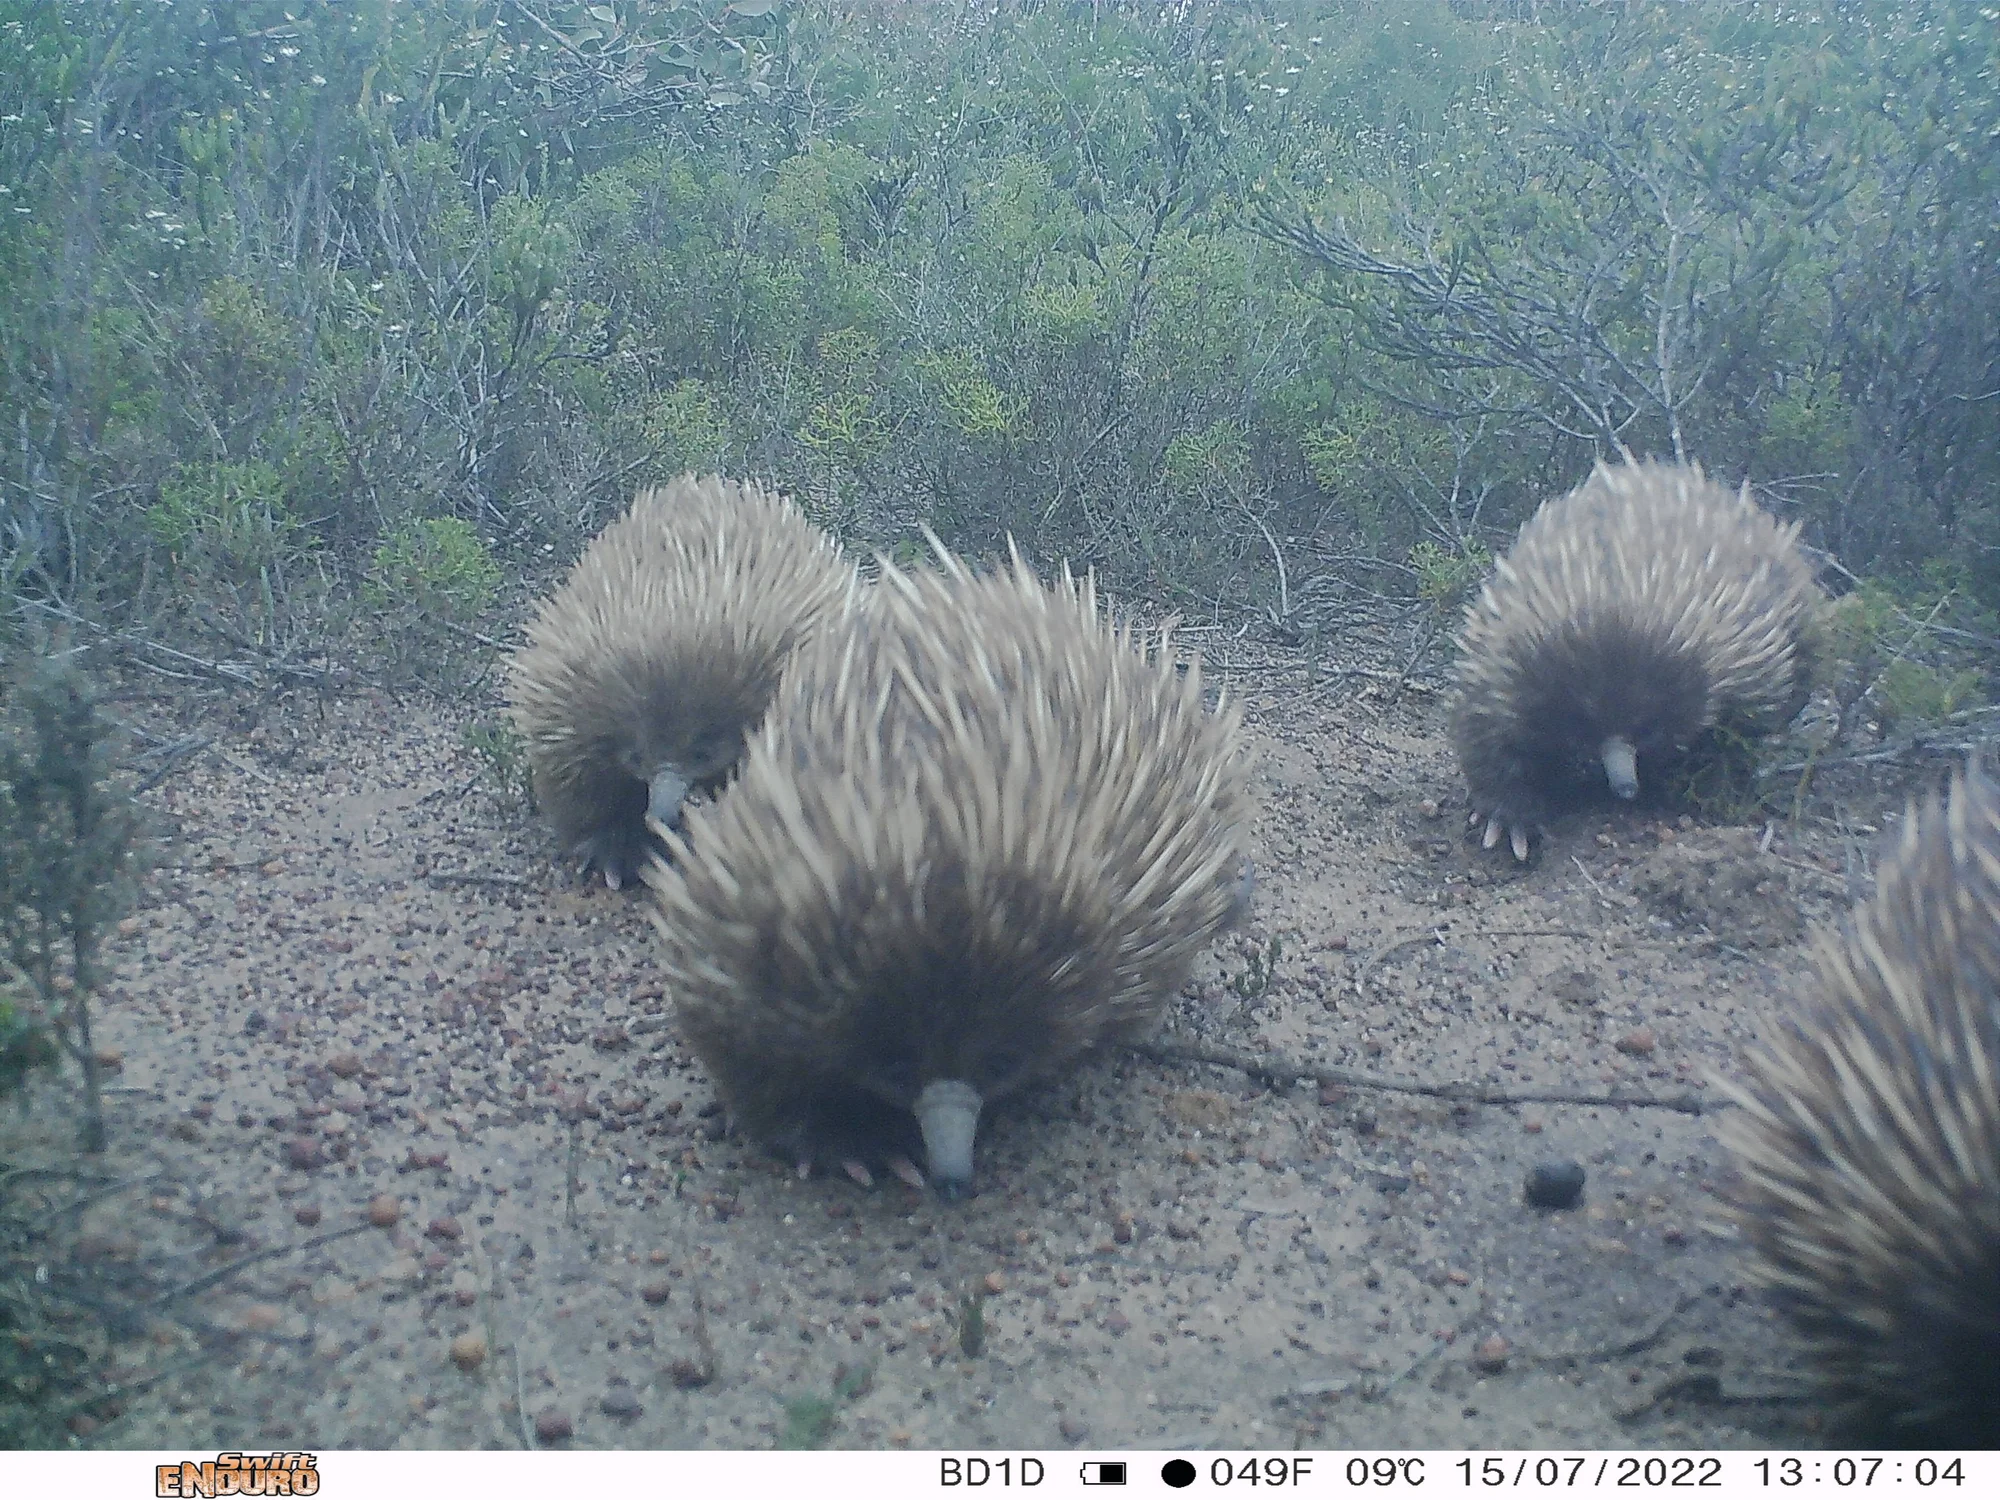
(468, 1350)
(1638, 1042)
(995, 1282)
(1491, 1355)
(443, 1229)
(553, 1425)
(384, 1211)
(436, 1261)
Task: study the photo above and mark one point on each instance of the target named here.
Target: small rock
(552, 1425)
(1490, 1357)
(1182, 1229)
(83, 1424)
(261, 1317)
(1116, 1323)
(443, 1229)
(468, 1350)
(1072, 1430)
(303, 1153)
(128, 926)
(619, 1402)
(384, 1211)
(1121, 1229)
(995, 1282)
(689, 1374)
(1458, 1278)
(1673, 1234)
(306, 1214)
(1556, 1183)
(272, 867)
(1639, 1042)
(436, 1261)
(343, 1065)
(110, 1059)
(655, 1292)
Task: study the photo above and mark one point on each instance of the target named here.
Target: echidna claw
(1492, 835)
(1518, 839)
(906, 1169)
(804, 1170)
(612, 879)
(859, 1173)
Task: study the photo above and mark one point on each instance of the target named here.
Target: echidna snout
(947, 1112)
(665, 794)
(1621, 766)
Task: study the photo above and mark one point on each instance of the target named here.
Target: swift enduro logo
(239, 1474)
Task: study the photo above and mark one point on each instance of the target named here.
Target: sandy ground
(358, 970)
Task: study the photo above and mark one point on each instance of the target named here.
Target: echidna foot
(616, 854)
(1498, 824)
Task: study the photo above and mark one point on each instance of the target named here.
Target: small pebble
(261, 1317)
(1182, 1229)
(1638, 1042)
(1490, 1357)
(443, 1229)
(384, 1210)
(619, 1402)
(553, 1425)
(687, 1374)
(306, 1214)
(995, 1282)
(468, 1350)
(1072, 1430)
(655, 1292)
(303, 1153)
(1555, 1184)
(343, 1065)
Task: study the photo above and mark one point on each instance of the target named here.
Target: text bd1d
(1008, 1473)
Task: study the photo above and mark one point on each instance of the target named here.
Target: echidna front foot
(615, 855)
(1498, 824)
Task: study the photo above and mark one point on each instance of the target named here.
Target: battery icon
(1103, 1473)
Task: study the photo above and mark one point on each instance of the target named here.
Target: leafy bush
(438, 567)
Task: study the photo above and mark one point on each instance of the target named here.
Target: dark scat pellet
(1554, 1184)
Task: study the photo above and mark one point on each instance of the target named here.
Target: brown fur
(660, 651)
(982, 833)
(1869, 1138)
(1647, 606)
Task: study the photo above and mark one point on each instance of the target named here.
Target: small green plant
(226, 520)
(1447, 577)
(1910, 692)
(504, 757)
(972, 1322)
(809, 1419)
(68, 838)
(25, 1044)
(439, 567)
(1217, 456)
(1255, 979)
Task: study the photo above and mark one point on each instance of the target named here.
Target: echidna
(982, 831)
(1869, 1137)
(1632, 614)
(648, 667)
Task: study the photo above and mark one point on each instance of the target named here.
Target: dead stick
(1283, 1071)
(203, 1283)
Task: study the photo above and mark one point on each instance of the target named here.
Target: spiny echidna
(645, 671)
(1632, 614)
(982, 832)
(1869, 1137)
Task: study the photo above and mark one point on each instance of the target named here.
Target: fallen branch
(1281, 1072)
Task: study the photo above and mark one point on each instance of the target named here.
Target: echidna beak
(1621, 766)
(947, 1112)
(665, 795)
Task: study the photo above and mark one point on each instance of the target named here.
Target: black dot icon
(1177, 1472)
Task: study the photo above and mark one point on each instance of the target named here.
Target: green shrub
(438, 567)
